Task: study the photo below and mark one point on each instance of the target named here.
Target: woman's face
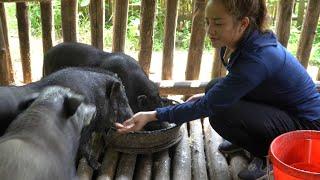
(221, 27)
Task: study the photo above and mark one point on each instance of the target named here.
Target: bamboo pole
(5, 34)
(161, 166)
(109, 165)
(285, 8)
(217, 163)
(97, 22)
(308, 32)
(4, 74)
(143, 167)
(126, 167)
(24, 36)
(169, 38)
(198, 168)
(47, 25)
(69, 15)
(146, 32)
(120, 25)
(218, 69)
(198, 33)
(181, 165)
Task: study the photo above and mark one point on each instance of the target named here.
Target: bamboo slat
(198, 33)
(69, 15)
(169, 38)
(97, 22)
(5, 35)
(126, 167)
(24, 39)
(198, 169)
(161, 166)
(47, 25)
(144, 167)
(120, 26)
(181, 165)
(308, 32)
(146, 33)
(285, 8)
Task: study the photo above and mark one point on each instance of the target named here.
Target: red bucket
(296, 155)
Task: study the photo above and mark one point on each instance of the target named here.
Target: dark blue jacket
(260, 70)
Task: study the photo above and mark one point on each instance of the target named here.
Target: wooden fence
(69, 11)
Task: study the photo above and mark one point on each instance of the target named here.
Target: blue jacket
(260, 70)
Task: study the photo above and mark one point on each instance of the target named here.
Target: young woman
(266, 92)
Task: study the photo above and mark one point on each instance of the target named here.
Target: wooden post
(23, 28)
(47, 25)
(308, 32)
(5, 34)
(199, 170)
(198, 33)
(146, 32)
(182, 157)
(69, 15)
(4, 74)
(284, 21)
(218, 69)
(120, 19)
(97, 22)
(301, 7)
(169, 38)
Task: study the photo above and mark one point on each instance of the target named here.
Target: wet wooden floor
(195, 157)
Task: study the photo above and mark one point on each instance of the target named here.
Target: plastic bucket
(296, 155)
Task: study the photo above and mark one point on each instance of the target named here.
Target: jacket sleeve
(241, 79)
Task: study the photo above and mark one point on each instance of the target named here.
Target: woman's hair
(255, 10)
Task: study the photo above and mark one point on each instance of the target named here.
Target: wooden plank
(198, 33)
(47, 24)
(308, 32)
(285, 8)
(109, 165)
(169, 87)
(126, 166)
(198, 168)
(218, 69)
(24, 39)
(69, 16)
(146, 33)
(5, 35)
(97, 22)
(161, 166)
(144, 167)
(169, 38)
(120, 25)
(217, 163)
(181, 165)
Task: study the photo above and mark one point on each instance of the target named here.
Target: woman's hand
(136, 122)
(195, 97)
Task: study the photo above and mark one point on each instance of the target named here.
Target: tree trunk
(308, 32)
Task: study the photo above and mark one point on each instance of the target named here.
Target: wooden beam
(308, 32)
(47, 24)
(24, 39)
(285, 8)
(5, 35)
(120, 19)
(69, 15)
(198, 33)
(169, 38)
(97, 22)
(169, 87)
(148, 8)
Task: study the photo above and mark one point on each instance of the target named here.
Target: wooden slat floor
(195, 157)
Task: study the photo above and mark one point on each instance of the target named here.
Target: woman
(266, 92)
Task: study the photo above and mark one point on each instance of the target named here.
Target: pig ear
(28, 100)
(142, 101)
(72, 103)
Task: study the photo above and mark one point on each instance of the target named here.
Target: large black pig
(42, 142)
(142, 93)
